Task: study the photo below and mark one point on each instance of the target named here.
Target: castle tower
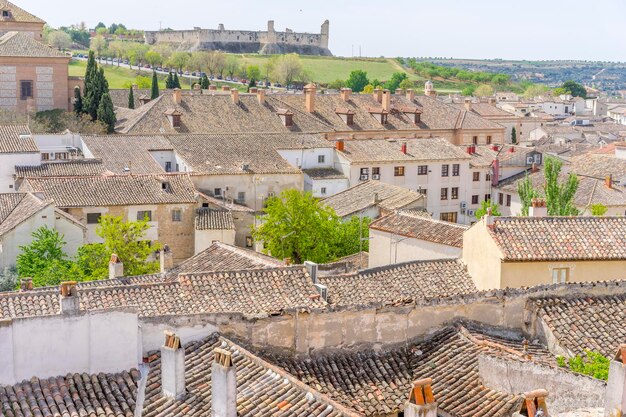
(325, 34)
(271, 33)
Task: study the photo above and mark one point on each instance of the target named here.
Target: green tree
(92, 87)
(485, 206)
(169, 82)
(357, 81)
(153, 58)
(526, 194)
(559, 197)
(592, 363)
(534, 90)
(287, 69)
(468, 91)
(43, 259)
(254, 73)
(483, 90)
(106, 113)
(131, 98)
(155, 86)
(574, 88)
(368, 89)
(396, 78)
(78, 101)
(598, 210)
(513, 136)
(407, 84)
(176, 81)
(204, 82)
(179, 60)
(8, 279)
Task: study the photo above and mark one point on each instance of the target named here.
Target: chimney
(197, 87)
(386, 100)
(512, 149)
(311, 268)
(116, 267)
(166, 259)
(534, 404)
(309, 97)
(69, 298)
(489, 218)
(538, 208)
(495, 148)
(399, 91)
(495, 175)
(172, 367)
(339, 145)
(421, 401)
(345, 94)
(376, 199)
(615, 401)
(261, 96)
(177, 96)
(403, 148)
(492, 101)
(468, 104)
(410, 94)
(608, 181)
(223, 385)
(378, 95)
(225, 88)
(212, 87)
(26, 284)
(533, 168)
(470, 149)
(253, 90)
(234, 95)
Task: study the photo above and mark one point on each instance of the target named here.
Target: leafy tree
(526, 194)
(232, 65)
(534, 90)
(93, 261)
(155, 86)
(253, 73)
(106, 113)
(287, 69)
(485, 206)
(559, 91)
(8, 279)
(43, 259)
(598, 210)
(78, 101)
(592, 363)
(98, 45)
(468, 91)
(559, 197)
(179, 60)
(92, 93)
(368, 89)
(513, 136)
(59, 120)
(407, 84)
(131, 98)
(153, 58)
(574, 88)
(483, 90)
(396, 79)
(357, 81)
(500, 79)
(336, 85)
(169, 81)
(59, 40)
(100, 25)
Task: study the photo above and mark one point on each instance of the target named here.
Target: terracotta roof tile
(18, 14)
(390, 150)
(422, 228)
(208, 219)
(20, 44)
(77, 167)
(11, 142)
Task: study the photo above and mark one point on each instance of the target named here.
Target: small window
(321, 159)
(444, 193)
(560, 275)
(448, 217)
(365, 174)
(61, 155)
(501, 199)
(456, 169)
(144, 215)
(445, 170)
(45, 156)
(217, 192)
(168, 166)
(422, 170)
(6, 13)
(474, 199)
(488, 177)
(323, 191)
(508, 200)
(422, 191)
(177, 215)
(241, 197)
(487, 197)
(376, 173)
(249, 241)
(398, 171)
(488, 140)
(476, 176)
(26, 90)
(475, 140)
(455, 193)
(93, 218)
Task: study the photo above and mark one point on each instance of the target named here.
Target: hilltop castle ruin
(243, 41)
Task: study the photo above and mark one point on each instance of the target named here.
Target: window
(422, 170)
(26, 89)
(501, 199)
(45, 156)
(323, 191)
(376, 173)
(365, 174)
(508, 200)
(444, 193)
(455, 193)
(249, 241)
(6, 13)
(241, 197)
(474, 199)
(398, 171)
(448, 217)
(61, 155)
(456, 169)
(487, 177)
(476, 176)
(422, 191)
(487, 197)
(177, 215)
(560, 275)
(147, 214)
(488, 140)
(445, 170)
(168, 166)
(475, 140)
(321, 159)
(217, 192)
(93, 218)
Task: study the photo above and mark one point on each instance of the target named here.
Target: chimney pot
(166, 259)
(261, 96)
(512, 149)
(234, 95)
(197, 87)
(399, 91)
(339, 145)
(116, 267)
(253, 90)
(69, 297)
(309, 97)
(421, 401)
(538, 208)
(223, 385)
(535, 401)
(345, 94)
(225, 88)
(468, 104)
(172, 367)
(212, 87)
(404, 148)
(177, 96)
(378, 95)
(26, 284)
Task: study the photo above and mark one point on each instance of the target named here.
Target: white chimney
(223, 385)
(69, 298)
(116, 267)
(311, 268)
(172, 367)
(615, 402)
(538, 208)
(421, 400)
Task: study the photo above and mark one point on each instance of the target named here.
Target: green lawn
(117, 77)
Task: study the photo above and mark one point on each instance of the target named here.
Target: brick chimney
(234, 95)
(212, 87)
(225, 88)
(260, 95)
(468, 104)
(538, 208)
(399, 91)
(533, 168)
(339, 145)
(172, 367)
(69, 297)
(26, 284)
(197, 87)
(116, 267)
(378, 94)
(309, 97)
(253, 90)
(615, 401)
(177, 96)
(534, 404)
(410, 94)
(345, 94)
(421, 401)
(608, 181)
(223, 385)
(386, 100)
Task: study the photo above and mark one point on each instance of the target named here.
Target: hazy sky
(532, 29)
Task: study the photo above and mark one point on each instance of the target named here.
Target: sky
(526, 29)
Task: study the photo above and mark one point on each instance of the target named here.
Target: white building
(17, 147)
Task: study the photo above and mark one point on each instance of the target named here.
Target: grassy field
(117, 77)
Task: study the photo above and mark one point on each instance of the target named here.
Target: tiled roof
(485, 155)
(361, 196)
(376, 383)
(20, 44)
(73, 395)
(585, 322)
(422, 228)
(15, 208)
(114, 190)
(487, 111)
(121, 153)
(120, 96)
(263, 390)
(324, 173)
(560, 238)
(222, 257)
(78, 167)
(598, 165)
(390, 150)
(354, 262)
(10, 141)
(18, 14)
(208, 219)
(400, 284)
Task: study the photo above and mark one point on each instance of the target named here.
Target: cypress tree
(169, 83)
(204, 82)
(106, 112)
(176, 81)
(155, 86)
(78, 101)
(131, 98)
(92, 88)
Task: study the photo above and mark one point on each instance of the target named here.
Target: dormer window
(380, 115)
(166, 186)
(286, 117)
(6, 14)
(346, 115)
(413, 113)
(174, 117)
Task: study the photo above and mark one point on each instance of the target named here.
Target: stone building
(245, 41)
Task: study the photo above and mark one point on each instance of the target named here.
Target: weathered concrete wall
(568, 391)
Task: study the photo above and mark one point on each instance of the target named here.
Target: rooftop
(390, 150)
(209, 219)
(15, 138)
(23, 45)
(422, 228)
(18, 14)
(76, 167)
(15, 208)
